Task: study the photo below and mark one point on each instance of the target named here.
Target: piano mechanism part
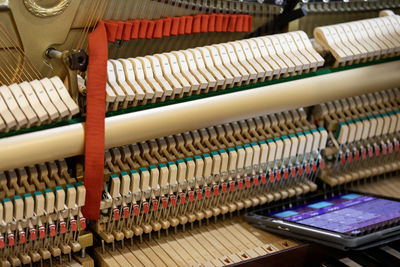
(160, 77)
(220, 244)
(321, 13)
(196, 175)
(35, 103)
(363, 129)
(212, 108)
(41, 214)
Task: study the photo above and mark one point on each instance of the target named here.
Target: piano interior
(138, 132)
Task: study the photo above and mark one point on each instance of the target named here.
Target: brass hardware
(73, 61)
(52, 8)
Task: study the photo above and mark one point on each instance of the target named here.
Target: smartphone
(345, 221)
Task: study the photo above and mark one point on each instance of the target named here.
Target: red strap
(111, 28)
(182, 25)
(250, 23)
(211, 22)
(158, 30)
(232, 23)
(126, 30)
(239, 23)
(218, 22)
(175, 26)
(97, 79)
(150, 30)
(167, 26)
(204, 27)
(120, 29)
(95, 115)
(189, 24)
(196, 24)
(135, 29)
(144, 23)
(126, 35)
(225, 22)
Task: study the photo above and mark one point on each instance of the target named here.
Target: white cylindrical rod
(41, 146)
(67, 141)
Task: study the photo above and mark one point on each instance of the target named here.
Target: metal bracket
(73, 61)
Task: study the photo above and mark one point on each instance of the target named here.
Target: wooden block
(87, 261)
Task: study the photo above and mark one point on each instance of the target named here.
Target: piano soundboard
(138, 132)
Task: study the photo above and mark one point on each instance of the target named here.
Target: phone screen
(348, 213)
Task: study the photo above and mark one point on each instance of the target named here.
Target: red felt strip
(189, 24)
(232, 23)
(126, 35)
(111, 29)
(144, 23)
(225, 21)
(97, 79)
(135, 29)
(125, 30)
(239, 23)
(95, 115)
(204, 23)
(196, 24)
(211, 22)
(218, 22)
(150, 30)
(158, 30)
(175, 26)
(245, 23)
(167, 26)
(182, 25)
(250, 23)
(120, 29)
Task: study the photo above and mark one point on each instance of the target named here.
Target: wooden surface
(388, 185)
(224, 243)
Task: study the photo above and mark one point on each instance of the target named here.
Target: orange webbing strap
(95, 115)
(97, 79)
(149, 29)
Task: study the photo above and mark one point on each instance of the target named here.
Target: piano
(138, 132)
